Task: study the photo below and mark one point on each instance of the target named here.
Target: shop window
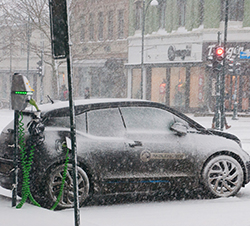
(177, 87)
(235, 10)
(158, 85)
(136, 84)
(196, 96)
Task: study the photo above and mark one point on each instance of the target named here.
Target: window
(201, 10)
(235, 10)
(105, 123)
(120, 24)
(100, 26)
(138, 15)
(162, 12)
(91, 27)
(81, 122)
(82, 30)
(110, 25)
(146, 118)
(182, 12)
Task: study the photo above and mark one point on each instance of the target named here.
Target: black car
(127, 146)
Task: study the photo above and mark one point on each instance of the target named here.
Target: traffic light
(237, 68)
(231, 66)
(40, 68)
(219, 53)
(218, 56)
(234, 67)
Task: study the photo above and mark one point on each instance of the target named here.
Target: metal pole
(235, 110)
(142, 48)
(222, 93)
(15, 172)
(72, 125)
(28, 47)
(217, 107)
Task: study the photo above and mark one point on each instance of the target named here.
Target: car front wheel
(67, 199)
(223, 176)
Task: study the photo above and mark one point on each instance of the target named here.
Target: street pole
(28, 47)
(143, 71)
(142, 49)
(217, 107)
(235, 110)
(222, 92)
(72, 123)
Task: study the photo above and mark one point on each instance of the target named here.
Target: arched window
(182, 12)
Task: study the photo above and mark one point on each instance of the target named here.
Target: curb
(228, 114)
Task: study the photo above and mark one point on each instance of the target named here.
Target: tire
(54, 182)
(223, 176)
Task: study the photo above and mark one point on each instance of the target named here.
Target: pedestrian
(64, 93)
(225, 123)
(87, 93)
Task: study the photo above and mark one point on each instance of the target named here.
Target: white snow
(232, 211)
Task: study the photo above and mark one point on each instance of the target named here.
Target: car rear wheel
(67, 199)
(223, 176)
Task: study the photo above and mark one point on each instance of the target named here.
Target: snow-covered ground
(232, 211)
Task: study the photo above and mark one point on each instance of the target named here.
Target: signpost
(245, 55)
(61, 48)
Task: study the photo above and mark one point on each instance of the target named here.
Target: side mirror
(179, 128)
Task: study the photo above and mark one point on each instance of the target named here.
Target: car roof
(81, 105)
(64, 104)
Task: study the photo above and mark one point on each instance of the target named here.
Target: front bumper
(247, 179)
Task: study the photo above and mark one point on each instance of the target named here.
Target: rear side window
(58, 122)
(65, 122)
(147, 118)
(105, 123)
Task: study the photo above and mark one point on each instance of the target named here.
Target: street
(233, 211)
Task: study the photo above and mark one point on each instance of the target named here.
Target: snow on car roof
(64, 104)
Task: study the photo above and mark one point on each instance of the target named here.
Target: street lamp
(143, 74)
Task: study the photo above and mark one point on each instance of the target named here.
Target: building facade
(179, 38)
(99, 35)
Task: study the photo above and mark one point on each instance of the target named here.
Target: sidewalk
(228, 114)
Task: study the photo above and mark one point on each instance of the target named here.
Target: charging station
(21, 94)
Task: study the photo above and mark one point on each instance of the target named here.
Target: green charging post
(21, 94)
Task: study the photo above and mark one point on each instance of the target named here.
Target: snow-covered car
(127, 146)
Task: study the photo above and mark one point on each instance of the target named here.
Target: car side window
(58, 122)
(147, 118)
(81, 122)
(105, 123)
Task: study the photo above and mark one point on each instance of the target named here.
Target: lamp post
(143, 72)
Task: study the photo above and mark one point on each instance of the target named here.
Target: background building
(99, 34)
(179, 37)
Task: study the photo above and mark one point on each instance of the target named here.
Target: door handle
(135, 143)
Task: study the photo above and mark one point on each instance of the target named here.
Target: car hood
(224, 134)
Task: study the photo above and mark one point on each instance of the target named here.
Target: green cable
(26, 165)
(63, 181)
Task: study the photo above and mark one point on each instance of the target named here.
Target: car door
(157, 153)
(104, 149)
